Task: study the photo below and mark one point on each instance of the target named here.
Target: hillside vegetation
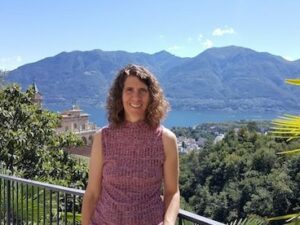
(241, 175)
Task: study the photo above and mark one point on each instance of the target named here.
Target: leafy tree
(239, 176)
(252, 126)
(29, 145)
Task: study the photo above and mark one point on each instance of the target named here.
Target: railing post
(180, 221)
(8, 202)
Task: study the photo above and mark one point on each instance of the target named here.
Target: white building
(187, 144)
(219, 138)
(78, 122)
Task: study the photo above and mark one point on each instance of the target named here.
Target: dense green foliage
(241, 175)
(29, 145)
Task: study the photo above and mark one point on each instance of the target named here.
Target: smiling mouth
(136, 106)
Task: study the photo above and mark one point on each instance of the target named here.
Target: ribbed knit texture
(132, 176)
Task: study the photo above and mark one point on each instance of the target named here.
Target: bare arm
(93, 189)
(171, 177)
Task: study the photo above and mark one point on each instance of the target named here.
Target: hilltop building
(73, 120)
(78, 122)
(38, 97)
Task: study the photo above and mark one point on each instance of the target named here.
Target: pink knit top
(132, 176)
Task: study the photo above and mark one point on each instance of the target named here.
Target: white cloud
(221, 31)
(207, 43)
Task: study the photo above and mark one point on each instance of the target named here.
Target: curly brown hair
(158, 105)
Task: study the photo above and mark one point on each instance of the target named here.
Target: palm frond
(252, 220)
(295, 222)
(285, 217)
(289, 152)
(291, 219)
(293, 81)
(287, 126)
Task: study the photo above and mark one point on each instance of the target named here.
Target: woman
(134, 158)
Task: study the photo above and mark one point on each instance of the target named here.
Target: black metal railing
(31, 202)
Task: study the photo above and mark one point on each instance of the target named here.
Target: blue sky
(35, 29)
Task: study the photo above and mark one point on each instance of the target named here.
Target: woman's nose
(136, 94)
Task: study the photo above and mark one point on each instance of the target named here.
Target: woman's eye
(144, 91)
(129, 90)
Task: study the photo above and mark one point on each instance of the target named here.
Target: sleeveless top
(133, 157)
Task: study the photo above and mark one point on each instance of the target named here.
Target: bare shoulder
(98, 133)
(169, 140)
(95, 165)
(97, 137)
(168, 135)
(97, 143)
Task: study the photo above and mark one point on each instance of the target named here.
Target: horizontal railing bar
(44, 185)
(192, 217)
(183, 214)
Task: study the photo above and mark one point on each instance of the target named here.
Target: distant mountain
(84, 77)
(234, 78)
(223, 79)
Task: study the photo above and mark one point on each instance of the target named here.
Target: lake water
(189, 118)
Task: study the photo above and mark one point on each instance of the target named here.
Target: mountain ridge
(229, 78)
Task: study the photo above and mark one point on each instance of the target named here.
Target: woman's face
(135, 98)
